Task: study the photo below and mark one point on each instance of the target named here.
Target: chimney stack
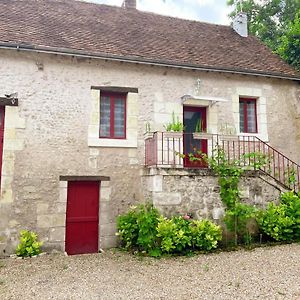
(129, 4)
(240, 24)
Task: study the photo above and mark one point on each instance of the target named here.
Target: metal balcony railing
(167, 149)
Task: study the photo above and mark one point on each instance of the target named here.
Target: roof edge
(137, 60)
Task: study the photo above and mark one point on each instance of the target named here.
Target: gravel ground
(264, 273)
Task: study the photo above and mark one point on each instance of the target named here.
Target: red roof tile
(103, 30)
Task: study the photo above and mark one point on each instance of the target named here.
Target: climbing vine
(237, 214)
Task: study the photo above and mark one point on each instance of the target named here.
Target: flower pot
(148, 135)
(172, 134)
(202, 136)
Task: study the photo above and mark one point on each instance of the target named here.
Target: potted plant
(199, 133)
(174, 129)
(148, 134)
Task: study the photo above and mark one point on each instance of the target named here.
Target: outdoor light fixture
(9, 99)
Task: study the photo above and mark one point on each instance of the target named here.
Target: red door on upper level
(2, 115)
(194, 119)
(82, 220)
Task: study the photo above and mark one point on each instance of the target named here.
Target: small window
(113, 116)
(248, 116)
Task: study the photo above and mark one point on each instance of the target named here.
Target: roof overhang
(138, 60)
(210, 100)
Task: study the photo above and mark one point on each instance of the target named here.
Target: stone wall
(196, 192)
(49, 134)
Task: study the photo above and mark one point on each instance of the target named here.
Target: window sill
(114, 143)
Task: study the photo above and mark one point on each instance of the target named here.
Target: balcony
(172, 149)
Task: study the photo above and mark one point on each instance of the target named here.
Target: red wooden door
(82, 220)
(2, 114)
(192, 116)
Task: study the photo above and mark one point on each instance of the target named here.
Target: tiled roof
(102, 30)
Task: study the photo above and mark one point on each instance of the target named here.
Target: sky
(212, 11)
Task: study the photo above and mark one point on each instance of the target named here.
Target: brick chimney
(129, 4)
(240, 24)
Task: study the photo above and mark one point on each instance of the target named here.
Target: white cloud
(199, 2)
(169, 8)
(224, 16)
(214, 11)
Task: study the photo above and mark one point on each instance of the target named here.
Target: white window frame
(131, 140)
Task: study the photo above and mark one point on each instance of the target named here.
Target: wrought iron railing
(164, 149)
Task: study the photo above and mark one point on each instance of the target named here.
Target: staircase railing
(278, 166)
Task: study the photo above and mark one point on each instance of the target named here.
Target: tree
(271, 21)
(289, 48)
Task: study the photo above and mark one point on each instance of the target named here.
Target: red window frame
(245, 101)
(112, 97)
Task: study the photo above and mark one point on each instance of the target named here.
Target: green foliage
(174, 234)
(275, 23)
(292, 202)
(199, 126)
(290, 178)
(275, 223)
(267, 19)
(229, 173)
(237, 214)
(289, 48)
(205, 235)
(128, 229)
(147, 127)
(137, 228)
(255, 160)
(282, 221)
(237, 218)
(143, 229)
(175, 125)
(147, 220)
(29, 244)
(179, 235)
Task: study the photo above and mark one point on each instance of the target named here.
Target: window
(248, 115)
(113, 116)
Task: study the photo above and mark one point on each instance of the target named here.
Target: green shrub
(147, 219)
(174, 234)
(205, 234)
(29, 244)
(237, 218)
(128, 229)
(292, 202)
(282, 221)
(137, 228)
(143, 229)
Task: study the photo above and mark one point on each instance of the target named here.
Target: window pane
(105, 116)
(119, 118)
(251, 117)
(242, 117)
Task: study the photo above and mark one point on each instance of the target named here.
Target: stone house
(81, 82)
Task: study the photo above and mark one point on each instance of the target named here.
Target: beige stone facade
(53, 132)
(196, 191)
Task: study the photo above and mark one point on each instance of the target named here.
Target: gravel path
(263, 273)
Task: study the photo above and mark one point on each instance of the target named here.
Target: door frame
(2, 113)
(204, 146)
(82, 220)
(105, 238)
